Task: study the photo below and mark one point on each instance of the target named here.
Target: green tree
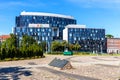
(71, 46)
(24, 45)
(37, 50)
(9, 46)
(60, 46)
(57, 46)
(43, 45)
(30, 47)
(3, 54)
(65, 45)
(0, 46)
(77, 46)
(27, 41)
(109, 36)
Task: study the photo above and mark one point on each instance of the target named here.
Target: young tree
(27, 41)
(71, 46)
(65, 45)
(3, 54)
(43, 45)
(56, 46)
(30, 47)
(9, 46)
(76, 46)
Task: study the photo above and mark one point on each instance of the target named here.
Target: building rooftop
(114, 38)
(75, 26)
(4, 37)
(46, 14)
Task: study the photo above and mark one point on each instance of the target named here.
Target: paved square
(84, 68)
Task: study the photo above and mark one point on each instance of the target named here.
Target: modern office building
(42, 26)
(113, 45)
(56, 21)
(90, 39)
(49, 27)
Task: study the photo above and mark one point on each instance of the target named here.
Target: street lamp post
(46, 45)
(101, 49)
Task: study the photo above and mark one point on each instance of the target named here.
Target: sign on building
(39, 25)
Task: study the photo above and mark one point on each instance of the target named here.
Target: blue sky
(93, 13)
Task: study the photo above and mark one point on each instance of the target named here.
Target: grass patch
(97, 54)
(55, 53)
(84, 54)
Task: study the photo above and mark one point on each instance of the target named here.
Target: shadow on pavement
(102, 59)
(13, 73)
(32, 63)
(78, 77)
(106, 65)
(69, 59)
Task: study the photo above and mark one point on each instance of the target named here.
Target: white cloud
(97, 3)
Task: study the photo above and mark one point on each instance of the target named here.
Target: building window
(83, 38)
(23, 30)
(44, 34)
(48, 34)
(33, 17)
(102, 38)
(35, 38)
(20, 38)
(74, 38)
(70, 34)
(38, 29)
(43, 30)
(16, 33)
(96, 31)
(31, 30)
(71, 29)
(43, 38)
(46, 38)
(39, 34)
(49, 30)
(34, 33)
(91, 35)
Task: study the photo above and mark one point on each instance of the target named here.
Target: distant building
(4, 37)
(113, 45)
(42, 26)
(90, 39)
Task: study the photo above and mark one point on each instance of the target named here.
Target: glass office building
(90, 39)
(56, 21)
(42, 26)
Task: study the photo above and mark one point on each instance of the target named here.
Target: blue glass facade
(91, 40)
(56, 24)
(39, 34)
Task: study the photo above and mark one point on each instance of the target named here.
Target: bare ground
(84, 68)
